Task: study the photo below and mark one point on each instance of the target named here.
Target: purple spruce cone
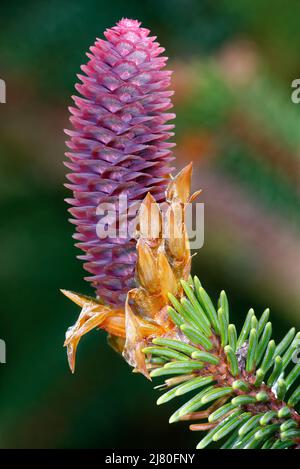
(118, 146)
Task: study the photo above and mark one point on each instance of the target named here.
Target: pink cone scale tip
(117, 146)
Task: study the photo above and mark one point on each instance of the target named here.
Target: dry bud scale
(156, 315)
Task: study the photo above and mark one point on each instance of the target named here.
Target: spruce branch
(246, 388)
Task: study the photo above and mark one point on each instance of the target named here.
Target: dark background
(234, 63)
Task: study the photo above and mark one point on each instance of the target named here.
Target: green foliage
(247, 387)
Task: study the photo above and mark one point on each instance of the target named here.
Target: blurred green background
(234, 63)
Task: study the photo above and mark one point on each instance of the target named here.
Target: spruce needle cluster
(242, 388)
